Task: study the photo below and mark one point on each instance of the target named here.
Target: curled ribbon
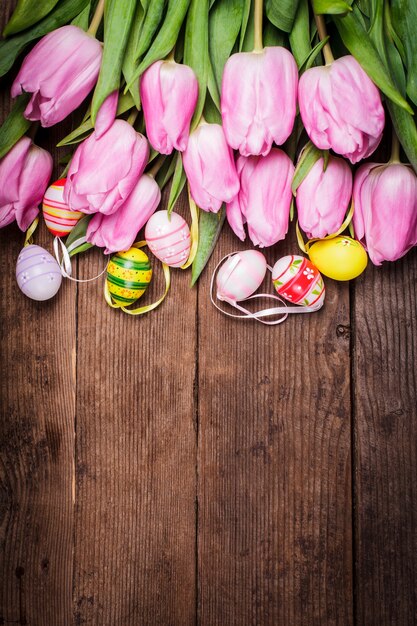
(347, 222)
(148, 307)
(30, 231)
(65, 262)
(193, 230)
(281, 310)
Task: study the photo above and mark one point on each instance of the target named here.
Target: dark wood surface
(184, 468)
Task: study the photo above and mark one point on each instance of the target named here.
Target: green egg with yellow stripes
(128, 275)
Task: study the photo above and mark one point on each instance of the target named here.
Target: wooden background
(184, 468)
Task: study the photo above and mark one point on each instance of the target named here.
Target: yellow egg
(128, 275)
(340, 258)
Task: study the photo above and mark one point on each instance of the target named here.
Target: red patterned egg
(168, 237)
(297, 280)
(59, 219)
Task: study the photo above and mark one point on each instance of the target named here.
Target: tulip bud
(118, 231)
(24, 175)
(323, 197)
(105, 169)
(264, 199)
(385, 217)
(259, 95)
(168, 92)
(341, 109)
(60, 72)
(210, 168)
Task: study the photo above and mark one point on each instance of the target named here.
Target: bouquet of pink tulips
(255, 106)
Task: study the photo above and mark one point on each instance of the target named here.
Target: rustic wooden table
(184, 468)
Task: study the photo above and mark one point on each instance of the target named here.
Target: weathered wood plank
(37, 439)
(274, 528)
(386, 444)
(136, 446)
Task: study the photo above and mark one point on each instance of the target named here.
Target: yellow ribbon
(193, 230)
(306, 246)
(148, 307)
(30, 231)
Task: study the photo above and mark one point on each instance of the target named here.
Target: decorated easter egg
(297, 280)
(37, 273)
(168, 237)
(59, 219)
(241, 275)
(128, 275)
(340, 258)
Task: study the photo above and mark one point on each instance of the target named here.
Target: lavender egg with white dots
(38, 274)
(168, 238)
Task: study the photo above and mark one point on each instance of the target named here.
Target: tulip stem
(258, 17)
(395, 149)
(132, 117)
(321, 29)
(171, 55)
(97, 17)
(157, 166)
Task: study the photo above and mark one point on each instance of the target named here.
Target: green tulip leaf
(404, 22)
(130, 61)
(281, 13)
(178, 183)
(166, 38)
(166, 172)
(245, 18)
(14, 126)
(300, 34)
(274, 37)
(79, 134)
(209, 228)
(82, 20)
(330, 7)
(27, 13)
(196, 51)
(405, 128)
(79, 231)
(224, 26)
(212, 86)
(359, 44)
(308, 157)
(151, 22)
(211, 111)
(63, 13)
(117, 23)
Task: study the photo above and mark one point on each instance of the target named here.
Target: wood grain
(274, 528)
(136, 457)
(385, 357)
(37, 438)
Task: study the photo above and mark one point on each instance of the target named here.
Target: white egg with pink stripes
(241, 275)
(168, 238)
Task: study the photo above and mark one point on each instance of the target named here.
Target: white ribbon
(281, 310)
(65, 262)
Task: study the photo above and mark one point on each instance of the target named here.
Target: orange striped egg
(297, 280)
(59, 219)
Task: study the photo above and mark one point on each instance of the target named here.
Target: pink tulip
(24, 175)
(341, 109)
(60, 71)
(323, 197)
(385, 217)
(210, 168)
(118, 231)
(264, 199)
(168, 92)
(106, 114)
(259, 96)
(104, 170)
